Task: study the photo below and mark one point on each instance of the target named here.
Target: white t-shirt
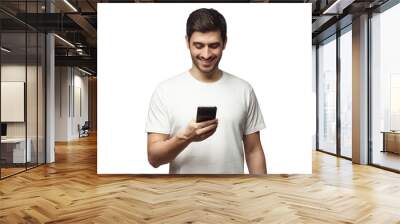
(174, 103)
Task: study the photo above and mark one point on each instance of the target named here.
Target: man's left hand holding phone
(163, 149)
(199, 131)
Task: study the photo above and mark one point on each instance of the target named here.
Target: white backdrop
(140, 45)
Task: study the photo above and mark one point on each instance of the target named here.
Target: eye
(198, 45)
(214, 46)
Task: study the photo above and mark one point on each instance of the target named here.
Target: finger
(206, 129)
(207, 123)
(211, 132)
(208, 134)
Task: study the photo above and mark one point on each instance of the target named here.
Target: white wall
(34, 124)
(69, 82)
(81, 83)
(314, 99)
(12, 73)
(61, 103)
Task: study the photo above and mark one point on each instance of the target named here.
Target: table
(391, 141)
(13, 150)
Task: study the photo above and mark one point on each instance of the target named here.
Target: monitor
(3, 129)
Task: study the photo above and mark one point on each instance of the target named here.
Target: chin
(207, 69)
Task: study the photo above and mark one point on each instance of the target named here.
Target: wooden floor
(8, 171)
(387, 159)
(5, 172)
(70, 191)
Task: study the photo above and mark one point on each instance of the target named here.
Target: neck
(206, 77)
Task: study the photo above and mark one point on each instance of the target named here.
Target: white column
(360, 90)
(50, 93)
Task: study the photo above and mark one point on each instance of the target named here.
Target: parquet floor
(10, 171)
(70, 191)
(387, 159)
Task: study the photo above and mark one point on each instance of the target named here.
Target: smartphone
(206, 113)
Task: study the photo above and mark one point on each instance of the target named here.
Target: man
(214, 146)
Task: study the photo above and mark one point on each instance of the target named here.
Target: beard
(206, 70)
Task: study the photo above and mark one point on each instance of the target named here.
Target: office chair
(84, 130)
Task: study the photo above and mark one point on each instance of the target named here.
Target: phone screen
(206, 113)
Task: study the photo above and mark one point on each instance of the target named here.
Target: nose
(206, 53)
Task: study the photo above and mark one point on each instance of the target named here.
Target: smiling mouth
(207, 62)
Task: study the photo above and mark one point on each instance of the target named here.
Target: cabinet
(13, 150)
(391, 141)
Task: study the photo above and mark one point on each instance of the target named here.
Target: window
(346, 93)
(327, 96)
(385, 88)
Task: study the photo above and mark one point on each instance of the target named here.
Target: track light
(84, 71)
(70, 5)
(337, 7)
(64, 40)
(5, 50)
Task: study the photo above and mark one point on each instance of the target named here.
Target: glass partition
(32, 95)
(327, 96)
(13, 105)
(41, 109)
(346, 93)
(34, 52)
(385, 89)
(22, 77)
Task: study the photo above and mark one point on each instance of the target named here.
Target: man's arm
(254, 153)
(162, 149)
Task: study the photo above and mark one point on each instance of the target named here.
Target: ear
(226, 40)
(187, 42)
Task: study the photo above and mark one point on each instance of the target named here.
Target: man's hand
(162, 148)
(196, 132)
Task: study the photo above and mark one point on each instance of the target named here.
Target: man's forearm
(165, 151)
(256, 161)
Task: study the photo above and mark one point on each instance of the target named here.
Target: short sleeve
(157, 118)
(255, 120)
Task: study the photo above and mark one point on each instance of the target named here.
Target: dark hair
(206, 20)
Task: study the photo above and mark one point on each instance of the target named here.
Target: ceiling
(76, 22)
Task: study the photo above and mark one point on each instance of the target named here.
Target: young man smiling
(214, 146)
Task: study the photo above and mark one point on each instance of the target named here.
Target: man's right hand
(196, 132)
(162, 149)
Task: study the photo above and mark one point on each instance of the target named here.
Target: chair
(84, 130)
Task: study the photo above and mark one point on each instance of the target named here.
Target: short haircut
(206, 20)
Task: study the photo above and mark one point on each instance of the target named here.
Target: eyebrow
(214, 43)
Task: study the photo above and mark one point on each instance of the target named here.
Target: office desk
(13, 150)
(391, 141)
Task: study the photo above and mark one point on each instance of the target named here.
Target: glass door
(385, 89)
(346, 92)
(327, 95)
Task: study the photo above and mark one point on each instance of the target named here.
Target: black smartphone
(206, 113)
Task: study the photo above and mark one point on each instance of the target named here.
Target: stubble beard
(207, 72)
